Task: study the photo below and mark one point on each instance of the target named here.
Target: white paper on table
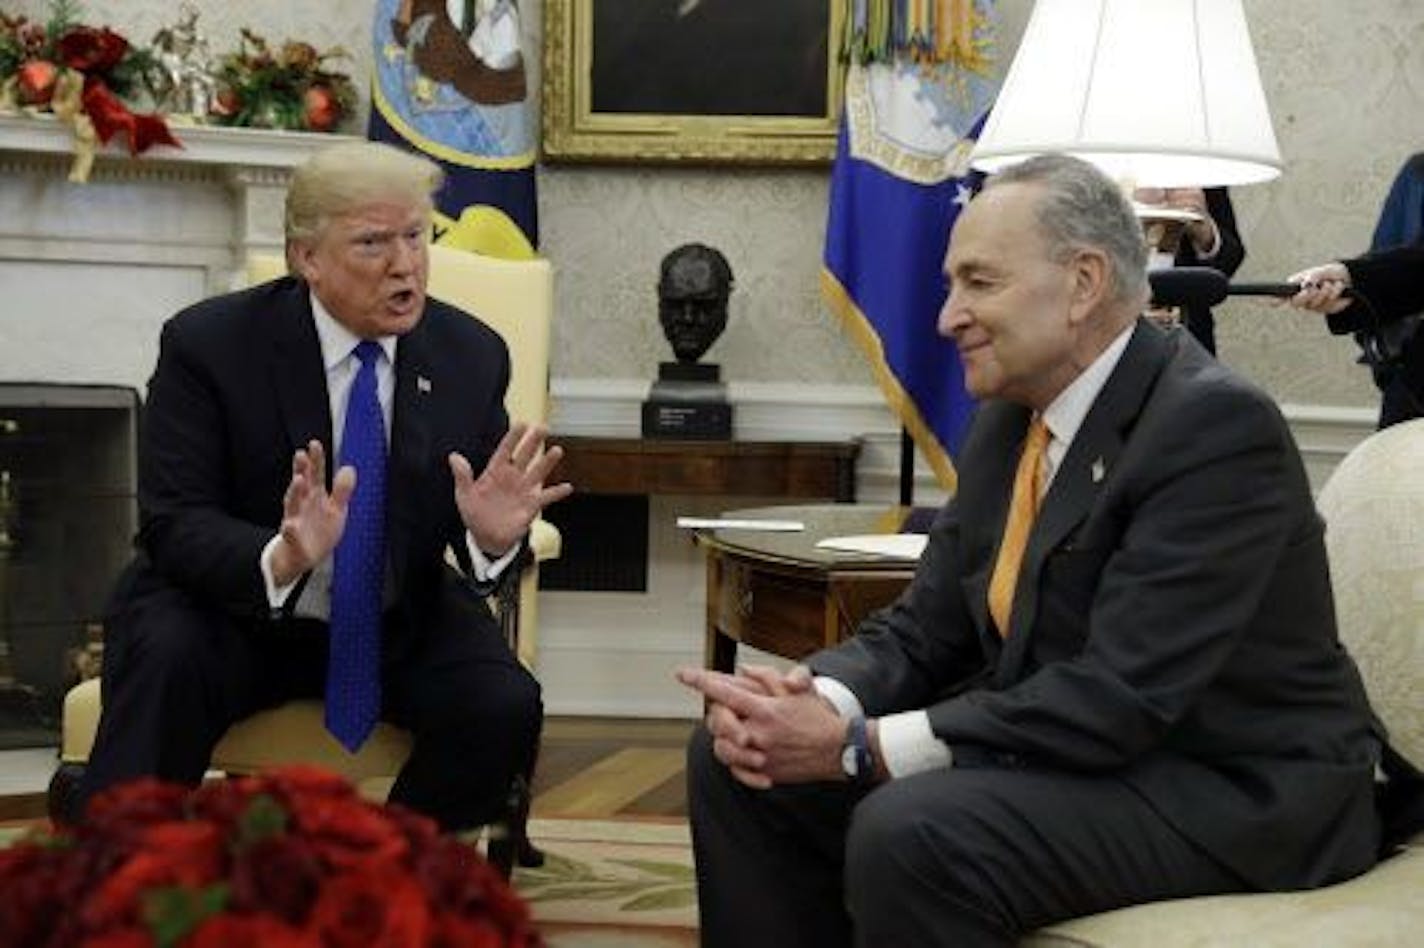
(901, 546)
(733, 523)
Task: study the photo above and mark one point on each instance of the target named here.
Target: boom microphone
(1203, 286)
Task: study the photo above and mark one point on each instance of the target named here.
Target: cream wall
(1345, 79)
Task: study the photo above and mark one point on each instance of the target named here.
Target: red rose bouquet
(82, 75)
(290, 858)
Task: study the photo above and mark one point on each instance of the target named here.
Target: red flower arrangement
(294, 88)
(80, 74)
(289, 859)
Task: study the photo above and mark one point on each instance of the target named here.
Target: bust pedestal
(688, 401)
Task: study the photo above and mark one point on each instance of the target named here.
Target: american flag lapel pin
(1099, 470)
(422, 385)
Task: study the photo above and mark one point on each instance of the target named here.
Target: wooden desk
(777, 592)
(794, 469)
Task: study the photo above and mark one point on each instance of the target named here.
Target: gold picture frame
(599, 114)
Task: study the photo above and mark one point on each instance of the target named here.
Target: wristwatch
(857, 763)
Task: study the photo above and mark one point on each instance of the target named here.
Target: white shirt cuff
(276, 595)
(908, 746)
(486, 569)
(847, 704)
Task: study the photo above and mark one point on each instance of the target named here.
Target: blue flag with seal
(449, 82)
(919, 86)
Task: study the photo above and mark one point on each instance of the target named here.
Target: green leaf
(63, 16)
(173, 912)
(263, 818)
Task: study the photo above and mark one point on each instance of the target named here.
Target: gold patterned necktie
(1023, 508)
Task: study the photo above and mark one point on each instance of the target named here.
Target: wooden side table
(792, 469)
(779, 593)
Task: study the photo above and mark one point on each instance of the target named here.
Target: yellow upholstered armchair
(1373, 507)
(515, 298)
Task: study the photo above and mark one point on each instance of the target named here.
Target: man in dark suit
(244, 540)
(1387, 286)
(1134, 693)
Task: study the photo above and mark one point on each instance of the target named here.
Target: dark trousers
(1398, 400)
(177, 673)
(960, 856)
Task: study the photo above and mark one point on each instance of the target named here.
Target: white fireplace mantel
(88, 272)
(255, 164)
(202, 144)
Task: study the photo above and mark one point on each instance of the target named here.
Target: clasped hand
(496, 507)
(768, 727)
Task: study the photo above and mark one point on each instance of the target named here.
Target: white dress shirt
(907, 743)
(338, 356)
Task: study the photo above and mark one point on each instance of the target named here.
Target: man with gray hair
(265, 571)
(1115, 677)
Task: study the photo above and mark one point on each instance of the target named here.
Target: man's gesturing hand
(313, 518)
(498, 506)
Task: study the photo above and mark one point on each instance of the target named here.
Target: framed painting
(696, 81)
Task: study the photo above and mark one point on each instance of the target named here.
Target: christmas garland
(81, 74)
(291, 89)
(92, 78)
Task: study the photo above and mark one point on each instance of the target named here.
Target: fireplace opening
(68, 513)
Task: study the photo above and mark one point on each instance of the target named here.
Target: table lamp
(1158, 93)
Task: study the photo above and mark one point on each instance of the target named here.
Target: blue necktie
(353, 674)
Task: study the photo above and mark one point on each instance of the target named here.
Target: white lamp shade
(1160, 93)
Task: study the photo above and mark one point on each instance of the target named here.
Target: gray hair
(1080, 208)
(341, 178)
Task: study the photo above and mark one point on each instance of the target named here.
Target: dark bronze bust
(694, 284)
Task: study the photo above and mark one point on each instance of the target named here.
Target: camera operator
(1383, 287)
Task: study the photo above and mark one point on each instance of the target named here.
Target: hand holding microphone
(1323, 289)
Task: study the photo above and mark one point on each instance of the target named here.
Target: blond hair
(339, 179)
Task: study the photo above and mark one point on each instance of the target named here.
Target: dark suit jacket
(240, 385)
(1229, 255)
(1173, 624)
(1393, 282)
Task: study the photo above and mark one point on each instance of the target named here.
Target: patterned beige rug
(605, 883)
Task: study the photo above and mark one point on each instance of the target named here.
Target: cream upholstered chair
(515, 298)
(1373, 506)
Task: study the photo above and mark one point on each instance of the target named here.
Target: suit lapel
(299, 375)
(1080, 476)
(410, 439)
